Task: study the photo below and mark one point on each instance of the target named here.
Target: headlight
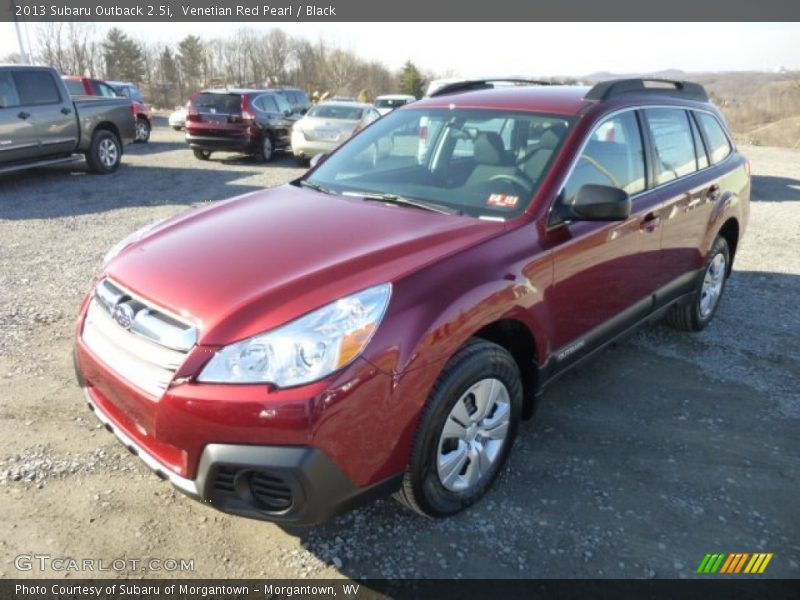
(132, 238)
(306, 349)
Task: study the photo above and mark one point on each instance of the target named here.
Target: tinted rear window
(75, 87)
(36, 87)
(347, 113)
(218, 103)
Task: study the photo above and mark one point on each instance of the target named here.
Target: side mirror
(600, 203)
(317, 158)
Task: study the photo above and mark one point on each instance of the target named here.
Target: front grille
(141, 343)
(272, 492)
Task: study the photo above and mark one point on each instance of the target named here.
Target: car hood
(254, 262)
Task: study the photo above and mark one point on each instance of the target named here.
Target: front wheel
(697, 314)
(201, 154)
(142, 130)
(466, 431)
(105, 152)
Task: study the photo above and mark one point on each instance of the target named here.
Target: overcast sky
(470, 49)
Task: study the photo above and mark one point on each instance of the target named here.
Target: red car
(383, 323)
(87, 86)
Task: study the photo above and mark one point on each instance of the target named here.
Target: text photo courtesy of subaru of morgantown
(370, 313)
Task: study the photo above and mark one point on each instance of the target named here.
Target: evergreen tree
(191, 57)
(411, 80)
(123, 57)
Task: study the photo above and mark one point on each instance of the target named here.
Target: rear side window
(266, 103)
(719, 145)
(8, 90)
(614, 156)
(75, 87)
(227, 104)
(283, 105)
(36, 88)
(673, 142)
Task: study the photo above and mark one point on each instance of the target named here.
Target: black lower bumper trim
(292, 485)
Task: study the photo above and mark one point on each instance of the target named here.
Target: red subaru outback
(383, 323)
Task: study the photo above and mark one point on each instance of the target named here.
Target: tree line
(169, 73)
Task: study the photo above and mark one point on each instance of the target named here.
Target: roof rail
(482, 84)
(616, 87)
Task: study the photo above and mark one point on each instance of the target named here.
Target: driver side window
(613, 156)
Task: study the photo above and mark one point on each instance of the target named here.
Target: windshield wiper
(314, 186)
(401, 201)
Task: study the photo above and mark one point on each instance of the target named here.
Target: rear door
(275, 113)
(51, 109)
(682, 177)
(18, 139)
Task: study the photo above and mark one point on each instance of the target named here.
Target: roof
(554, 99)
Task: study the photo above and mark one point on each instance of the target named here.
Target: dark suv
(384, 323)
(256, 122)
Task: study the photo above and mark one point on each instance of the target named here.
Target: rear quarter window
(719, 144)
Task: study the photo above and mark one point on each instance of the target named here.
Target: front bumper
(292, 485)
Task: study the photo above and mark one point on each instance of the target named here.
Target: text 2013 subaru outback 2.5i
(383, 323)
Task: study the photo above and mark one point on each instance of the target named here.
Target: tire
(267, 148)
(201, 154)
(177, 127)
(441, 479)
(105, 152)
(142, 130)
(697, 314)
(301, 161)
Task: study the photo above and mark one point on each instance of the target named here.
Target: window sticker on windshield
(502, 200)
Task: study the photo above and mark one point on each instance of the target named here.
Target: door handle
(65, 111)
(23, 115)
(650, 222)
(713, 192)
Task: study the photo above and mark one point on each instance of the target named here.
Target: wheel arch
(730, 231)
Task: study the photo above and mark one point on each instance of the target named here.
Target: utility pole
(23, 54)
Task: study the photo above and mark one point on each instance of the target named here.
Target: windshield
(475, 161)
(329, 111)
(390, 102)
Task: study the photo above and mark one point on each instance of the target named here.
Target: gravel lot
(666, 447)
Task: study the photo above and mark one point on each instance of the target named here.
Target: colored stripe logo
(735, 562)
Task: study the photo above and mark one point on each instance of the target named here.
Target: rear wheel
(696, 315)
(466, 431)
(267, 149)
(105, 152)
(201, 154)
(142, 130)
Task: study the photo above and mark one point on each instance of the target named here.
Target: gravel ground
(664, 448)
